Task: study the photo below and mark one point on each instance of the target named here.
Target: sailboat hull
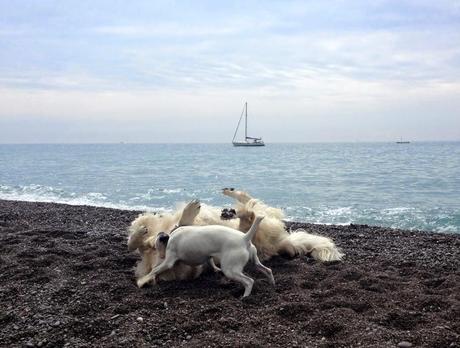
(248, 144)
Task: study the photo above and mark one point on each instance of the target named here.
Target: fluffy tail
(321, 248)
(252, 231)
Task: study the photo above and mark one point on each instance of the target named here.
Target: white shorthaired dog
(196, 245)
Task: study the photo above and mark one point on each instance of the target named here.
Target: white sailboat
(248, 141)
(401, 141)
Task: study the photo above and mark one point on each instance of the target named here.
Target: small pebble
(188, 337)
(404, 344)
(140, 319)
(165, 305)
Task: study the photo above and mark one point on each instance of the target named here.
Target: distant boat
(402, 142)
(248, 141)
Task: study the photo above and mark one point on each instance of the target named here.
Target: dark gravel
(66, 279)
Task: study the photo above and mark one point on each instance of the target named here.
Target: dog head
(161, 242)
(137, 235)
(145, 228)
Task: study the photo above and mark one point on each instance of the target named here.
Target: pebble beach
(66, 280)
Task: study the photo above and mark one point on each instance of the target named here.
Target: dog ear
(161, 243)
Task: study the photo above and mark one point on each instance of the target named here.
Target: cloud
(328, 63)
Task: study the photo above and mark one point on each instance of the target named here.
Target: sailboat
(248, 141)
(402, 142)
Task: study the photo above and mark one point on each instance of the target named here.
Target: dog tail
(252, 231)
(320, 248)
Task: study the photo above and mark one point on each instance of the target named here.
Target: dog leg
(190, 212)
(168, 263)
(240, 196)
(213, 265)
(240, 278)
(265, 270)
(249, 283)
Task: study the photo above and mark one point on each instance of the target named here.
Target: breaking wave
(159, 200)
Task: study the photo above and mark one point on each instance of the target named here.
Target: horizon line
(229, 143)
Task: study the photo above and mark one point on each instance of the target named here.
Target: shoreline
(67, 278)
(143, 209)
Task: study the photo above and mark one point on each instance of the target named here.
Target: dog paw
(228, 191)
(195, 206)
(142, 281)
(247, 299)
(190, 212)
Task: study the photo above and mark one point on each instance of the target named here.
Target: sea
(412, 186)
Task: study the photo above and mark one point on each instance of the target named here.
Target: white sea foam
(447, 229)
(171, 191)
(403, 217)
(40, 193)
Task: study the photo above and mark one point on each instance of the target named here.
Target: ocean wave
(407, 218)
(171, 191)
(400, 217)
(41, 193)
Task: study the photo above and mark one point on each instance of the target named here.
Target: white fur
(271, 239)
(320, 248)
(197, 245)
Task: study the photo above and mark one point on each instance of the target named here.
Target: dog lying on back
(143, 233)
(197, 245)
(272, 239)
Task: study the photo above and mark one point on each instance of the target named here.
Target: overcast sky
(180, 71)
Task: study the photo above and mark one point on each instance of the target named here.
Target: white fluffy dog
(197, 245)
(270, 240)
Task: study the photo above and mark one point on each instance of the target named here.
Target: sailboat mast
(238, 125)
(246, 123)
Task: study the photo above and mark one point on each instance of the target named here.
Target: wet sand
(66, 279)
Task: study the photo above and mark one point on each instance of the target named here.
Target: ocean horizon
(229, 142)
(412, 186)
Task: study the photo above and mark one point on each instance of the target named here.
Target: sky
(180, 71)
